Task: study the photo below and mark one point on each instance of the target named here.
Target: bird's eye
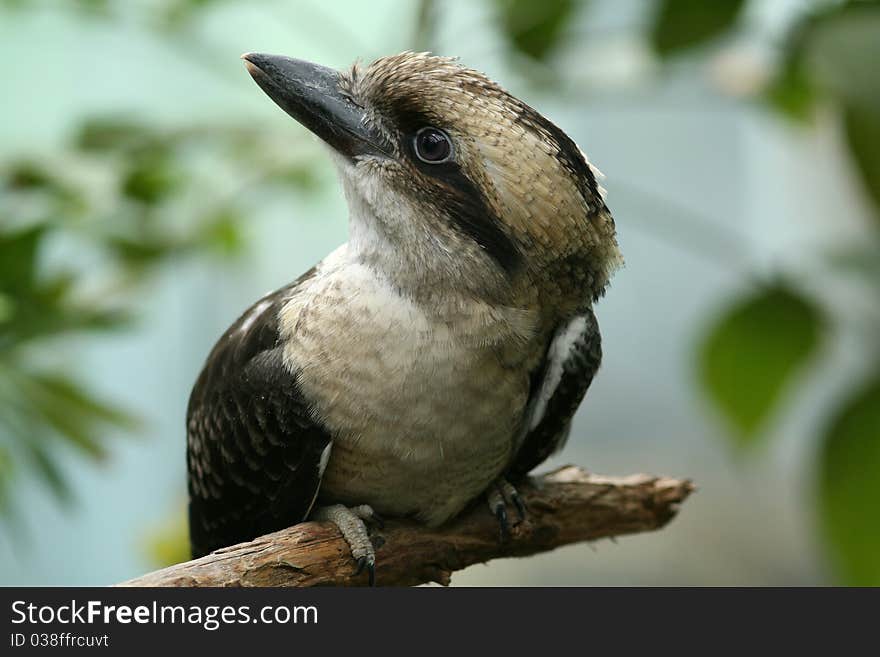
(432, 145)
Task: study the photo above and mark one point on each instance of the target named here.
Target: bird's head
(451, 181)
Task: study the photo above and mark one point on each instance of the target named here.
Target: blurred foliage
(40, 404)
(138, 196)
(534, 28)
(753, 349)
(133, 196)
(752, 353)
(846, 493)
(682, 24)
(830, 56)
(862, 125)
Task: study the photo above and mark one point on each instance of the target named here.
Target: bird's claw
(503, 523)
(351, 524)
(500, 494)
(518, 503)
(370, 564)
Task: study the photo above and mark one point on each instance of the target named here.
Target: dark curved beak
(311, 94)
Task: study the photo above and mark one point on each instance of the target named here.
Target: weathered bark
(565, 506)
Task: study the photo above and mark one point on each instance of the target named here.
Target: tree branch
(565, 506)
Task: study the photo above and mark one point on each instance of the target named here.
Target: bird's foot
(501, 494)
(351, 522)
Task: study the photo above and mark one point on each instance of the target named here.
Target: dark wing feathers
(254, 453)
(579, 363)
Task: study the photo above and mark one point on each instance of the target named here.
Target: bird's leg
(351, 523)
(500, 494)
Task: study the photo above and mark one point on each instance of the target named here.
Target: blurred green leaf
(101, 7)
(792, 92)
(47, 469)
(752, 352)
(300, 176)
(74, 414)
(862, 128)
(79, 318)
(67, 393)
(849, 486)
(142, 251)
(222, 232)
(151, 178)
(104, 134)
(534, 27)
(46, 310)
(18, 259)
(841, 50)
(830, 52)
(28, 175)
(177, 13)
(7, 308)
(682, 24)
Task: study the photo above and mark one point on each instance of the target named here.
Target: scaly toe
(351, 525)
(366, 513)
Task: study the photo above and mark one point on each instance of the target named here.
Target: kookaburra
(439, 354)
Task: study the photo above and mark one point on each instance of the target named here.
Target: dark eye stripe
(458, 197)
(463, 202)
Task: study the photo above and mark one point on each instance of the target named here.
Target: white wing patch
(325, 458)
(322, 465)
(560, 350)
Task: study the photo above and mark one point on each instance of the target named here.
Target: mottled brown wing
(255, 456)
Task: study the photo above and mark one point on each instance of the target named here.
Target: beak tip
(251, 62)
(311, 94)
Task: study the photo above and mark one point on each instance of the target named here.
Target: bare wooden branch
(565, 506)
